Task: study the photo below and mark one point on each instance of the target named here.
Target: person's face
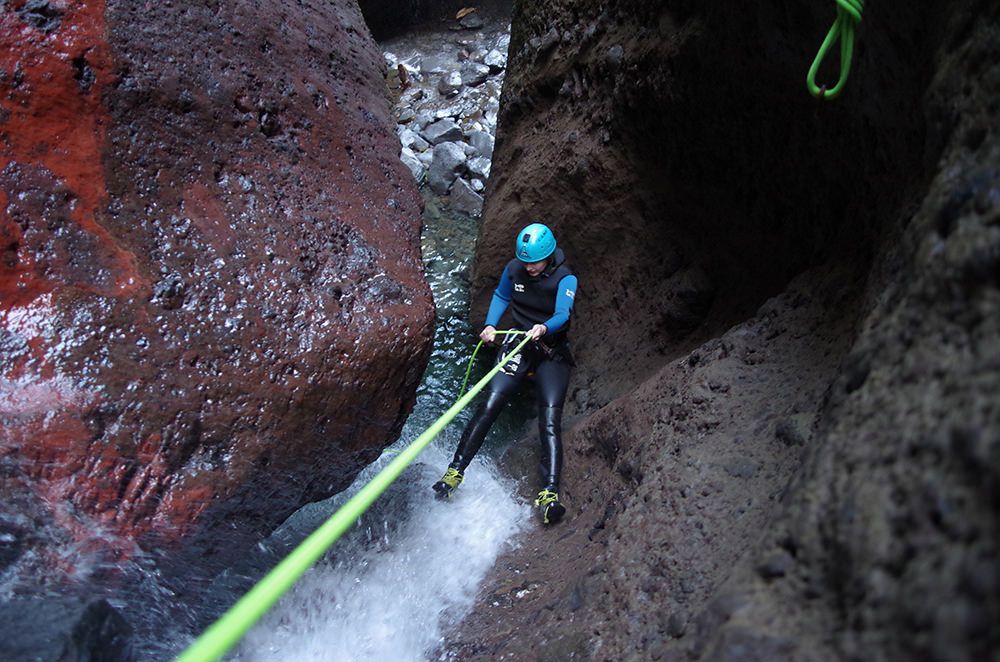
(535, 269)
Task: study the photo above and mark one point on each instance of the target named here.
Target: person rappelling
(539, 288)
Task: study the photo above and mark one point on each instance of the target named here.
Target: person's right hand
(488, 334)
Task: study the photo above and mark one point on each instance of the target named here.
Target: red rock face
(212, 306)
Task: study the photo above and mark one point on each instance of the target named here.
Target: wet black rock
(66, 629)
(471, 21)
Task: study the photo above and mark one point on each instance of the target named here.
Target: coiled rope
(222, 635)
(848, 16)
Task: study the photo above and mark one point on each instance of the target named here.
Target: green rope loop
(848, 16)
(476, 351)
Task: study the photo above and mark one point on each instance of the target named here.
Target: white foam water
(407, 574)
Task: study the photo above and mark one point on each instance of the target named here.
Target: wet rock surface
(37, 630)
(213, 307)
(812, 478)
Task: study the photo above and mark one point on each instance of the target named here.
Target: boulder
(483, 142)
(64, 629)
(426, 157)
(449, 161)
(471, 21)
(434, 64)
(413, 140)
(405, 115)
(465, 199)
(473, 73)
(480, 167)
(441, 131)
(495, 60)
(450, 84)
(209, 285)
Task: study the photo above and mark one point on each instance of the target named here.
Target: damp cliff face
(785, 441)
(212, 306)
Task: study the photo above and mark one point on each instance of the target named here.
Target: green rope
(230, 628)
(848, 15)
(476, 351)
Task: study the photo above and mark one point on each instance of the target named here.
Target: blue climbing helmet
(534, 243)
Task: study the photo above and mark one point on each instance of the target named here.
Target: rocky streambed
(446, 79)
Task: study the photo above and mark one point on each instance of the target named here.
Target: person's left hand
(537, 331)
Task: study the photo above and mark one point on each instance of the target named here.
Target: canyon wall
(784, 432)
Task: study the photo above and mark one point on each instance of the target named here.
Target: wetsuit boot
(468, 446)
(550, 435)
(449, 482)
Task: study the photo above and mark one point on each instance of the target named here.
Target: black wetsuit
(547, 299)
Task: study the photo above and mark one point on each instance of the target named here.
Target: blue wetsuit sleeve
(564, 304)
(501, 299)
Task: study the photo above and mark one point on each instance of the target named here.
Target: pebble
(471, 21)
(777, 565)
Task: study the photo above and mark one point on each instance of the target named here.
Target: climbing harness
(848, 15)
(231, 626)
(472, 360)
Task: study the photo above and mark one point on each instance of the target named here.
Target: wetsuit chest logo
(519, 287)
